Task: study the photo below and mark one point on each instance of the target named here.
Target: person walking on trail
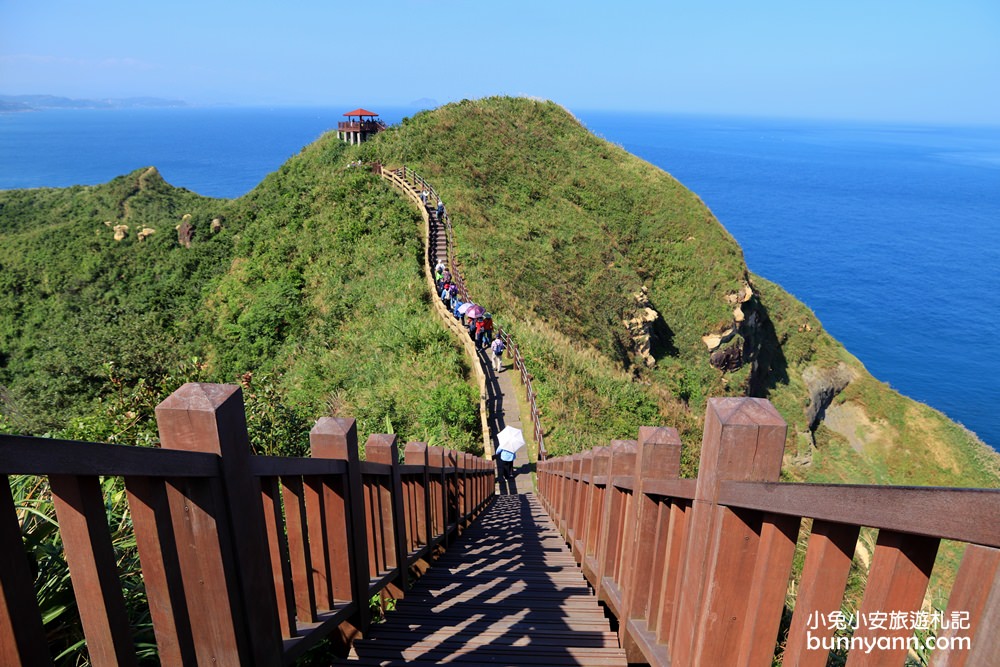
(487, 329)
(439, 267)
(423, 196)
(497, 348)
(440, 209)
(456, 303)
(446, 295)
(506, 463)
(480, 328)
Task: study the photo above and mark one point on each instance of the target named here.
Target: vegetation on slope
(558, 230)
(309, 292)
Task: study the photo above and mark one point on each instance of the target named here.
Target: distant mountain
(35, 102)
(9, 106)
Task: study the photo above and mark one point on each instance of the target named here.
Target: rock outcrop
(640, 327)
(824, 384)
(185, 231)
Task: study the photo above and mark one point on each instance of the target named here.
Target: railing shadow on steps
(412, 184)
(697, 570)
(246, 560)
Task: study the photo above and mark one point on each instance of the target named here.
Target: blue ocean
(887, 232)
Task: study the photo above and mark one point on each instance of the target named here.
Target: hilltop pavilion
(357, 129)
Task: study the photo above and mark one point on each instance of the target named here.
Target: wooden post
(439, 486)
(595, 508)
(22, 636)
(971, 595)
(744, 440)
(223, 549)
(897, 580)
(581, 501)
(384, 449)
(657, 457)
(575, 489)
(614, 529)
(337, 438)
(90, 555)
(416, 454)
(821, 589)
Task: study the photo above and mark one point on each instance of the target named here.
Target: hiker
(487, 329)
(472, 326)
(446, 295)
(497, 347)
(456, 303)
(439, 267)
(506, 463)
(480, 331)
(440, 210)
(446, 275)
(423, 196)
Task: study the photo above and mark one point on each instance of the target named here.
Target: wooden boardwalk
(507, 593)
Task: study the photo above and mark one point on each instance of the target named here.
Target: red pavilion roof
(360, 112)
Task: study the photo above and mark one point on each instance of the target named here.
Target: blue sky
(912, 60)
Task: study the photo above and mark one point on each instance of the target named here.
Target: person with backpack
(497, 348)
(487, 330)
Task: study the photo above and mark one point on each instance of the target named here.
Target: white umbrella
(510, 438)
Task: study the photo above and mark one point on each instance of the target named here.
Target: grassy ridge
(557, 230)
(310, 294)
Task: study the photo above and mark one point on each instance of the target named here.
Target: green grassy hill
(632, 303)
(560, 231)
(308, 290)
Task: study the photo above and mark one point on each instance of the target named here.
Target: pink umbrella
(464, 308)
(475, 311)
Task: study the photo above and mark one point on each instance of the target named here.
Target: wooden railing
(363, 126)
(515, 354)
(697, 571)
(412, 184)
(246, 560)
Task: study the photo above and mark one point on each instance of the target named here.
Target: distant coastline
(23, 103)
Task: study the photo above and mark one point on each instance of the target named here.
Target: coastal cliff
(634, 304)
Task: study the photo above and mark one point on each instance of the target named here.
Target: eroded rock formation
(185, 231)
(640, 327)
(824, 384)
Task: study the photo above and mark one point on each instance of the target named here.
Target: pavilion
(361, 124)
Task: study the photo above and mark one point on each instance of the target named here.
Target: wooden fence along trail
(253, 560)
(247, 560)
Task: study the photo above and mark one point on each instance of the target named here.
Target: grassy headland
(308, 290)
(559, 231)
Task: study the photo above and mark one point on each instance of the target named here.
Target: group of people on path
(479, 324)
(473, 317)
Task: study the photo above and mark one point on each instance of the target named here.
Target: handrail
(253, 559)
(697, 571)
(396, 178)
(409, 181)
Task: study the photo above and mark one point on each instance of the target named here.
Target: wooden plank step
(508, 593)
